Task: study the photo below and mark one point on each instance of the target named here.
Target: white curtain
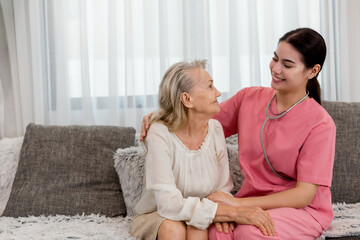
(349, 50)
(20, 69)
(101, 61)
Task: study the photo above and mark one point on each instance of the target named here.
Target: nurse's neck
(285, 100)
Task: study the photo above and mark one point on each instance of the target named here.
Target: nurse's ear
(186, 99)
(314, 71)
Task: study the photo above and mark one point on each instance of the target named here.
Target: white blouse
(178, 180)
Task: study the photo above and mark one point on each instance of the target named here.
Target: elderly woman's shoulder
(215, 125)
(158, 126)
(157, 132)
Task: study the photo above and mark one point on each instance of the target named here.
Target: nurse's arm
(298, 197)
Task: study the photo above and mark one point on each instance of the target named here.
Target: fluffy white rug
(89, 227)
(346, 221)
(9, 159)
(95, 227)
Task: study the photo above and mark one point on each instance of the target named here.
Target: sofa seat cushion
(68, 170)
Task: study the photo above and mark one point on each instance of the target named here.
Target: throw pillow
(129, 164)
(234, 166)
(232, 140)
(69, 170)
(9, 159)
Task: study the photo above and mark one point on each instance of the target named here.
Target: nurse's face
(288, 71)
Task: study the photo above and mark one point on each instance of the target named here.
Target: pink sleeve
(316, 158)
(228, 115)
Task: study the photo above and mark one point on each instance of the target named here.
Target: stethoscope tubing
(262, 130)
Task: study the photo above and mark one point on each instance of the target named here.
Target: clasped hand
(255, 216)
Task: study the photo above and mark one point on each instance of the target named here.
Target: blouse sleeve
(160, 180)
(316, 158)
(225, 183)
(228, 116)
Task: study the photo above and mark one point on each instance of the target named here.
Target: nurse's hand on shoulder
(145, 126)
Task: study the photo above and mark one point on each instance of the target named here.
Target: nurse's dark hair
(312, 47)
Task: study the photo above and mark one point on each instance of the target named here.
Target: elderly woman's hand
(224, 226)
(145, 126)
(222, 197)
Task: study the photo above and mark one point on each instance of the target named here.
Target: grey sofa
(62, 182)
(346, 179)
(346, 173)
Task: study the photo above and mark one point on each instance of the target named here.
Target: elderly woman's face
(204, 94)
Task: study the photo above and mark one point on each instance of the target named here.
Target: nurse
(286, 144)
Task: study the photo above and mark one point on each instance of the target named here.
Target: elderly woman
(186, 161)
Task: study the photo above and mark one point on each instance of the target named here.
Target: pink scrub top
(300, 145)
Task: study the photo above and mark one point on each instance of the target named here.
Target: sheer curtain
(20, 69)
(349, 50)
(100, 62)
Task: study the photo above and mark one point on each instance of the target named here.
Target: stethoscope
(262, 129)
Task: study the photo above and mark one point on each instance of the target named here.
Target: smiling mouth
(277, 79)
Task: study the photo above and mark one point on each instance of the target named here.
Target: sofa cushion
(346, 177)
(68, 170)
(129, 164)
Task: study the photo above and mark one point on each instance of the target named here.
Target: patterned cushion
(68, 170)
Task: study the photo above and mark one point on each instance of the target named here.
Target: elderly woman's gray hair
(176, 80)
